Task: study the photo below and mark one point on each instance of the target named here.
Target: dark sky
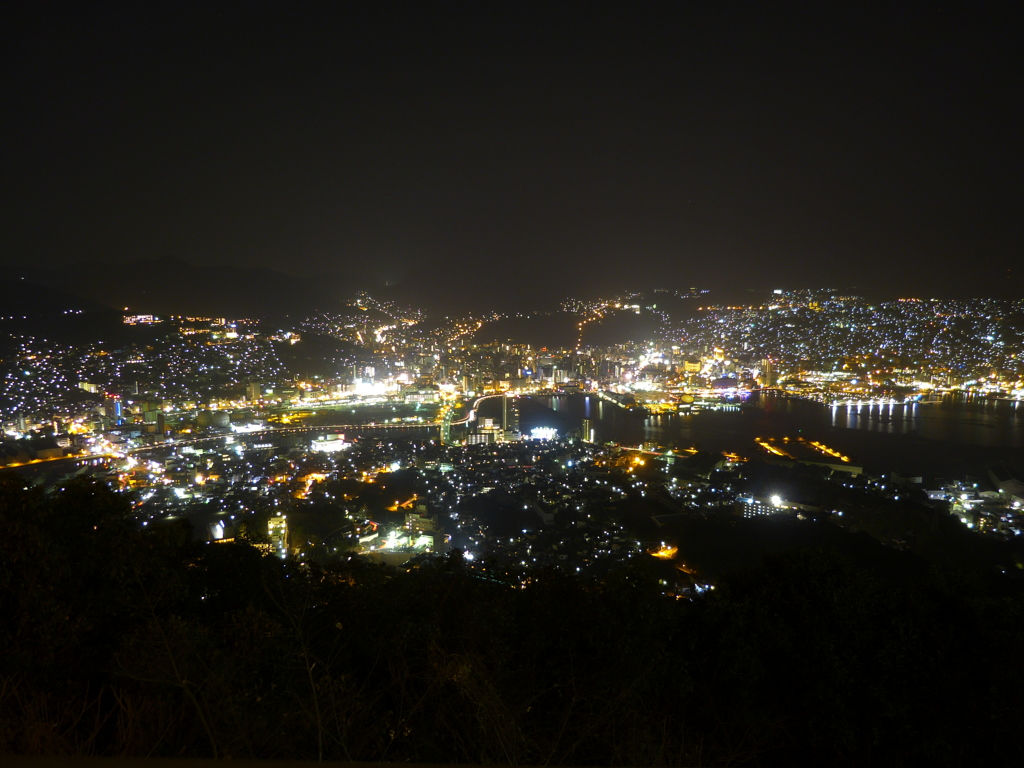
(493, 147)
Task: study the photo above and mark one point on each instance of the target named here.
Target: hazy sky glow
(763, 144)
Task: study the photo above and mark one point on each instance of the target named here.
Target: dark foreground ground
(127, 644)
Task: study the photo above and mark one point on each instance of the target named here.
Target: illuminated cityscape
(623, 386)
(378, 437)
(214, 420)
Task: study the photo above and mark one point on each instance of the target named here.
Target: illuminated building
(752, 506)
(510, 418)
(114, 410)
(330, 444)
(140, 320)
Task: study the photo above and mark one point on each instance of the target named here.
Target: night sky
(523, 150)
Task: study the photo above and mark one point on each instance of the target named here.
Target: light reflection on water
(955, 431)
(957, 419)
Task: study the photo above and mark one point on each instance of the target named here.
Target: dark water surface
(956, 436)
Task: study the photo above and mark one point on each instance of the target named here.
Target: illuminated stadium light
(330, 444)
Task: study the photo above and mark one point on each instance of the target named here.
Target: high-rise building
(510, 418)
(114, 409)
(587, 431)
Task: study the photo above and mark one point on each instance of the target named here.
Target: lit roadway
(204, 438)
(288, 430)
(443, 424)
(472, 411)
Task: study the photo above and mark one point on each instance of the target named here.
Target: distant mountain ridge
(177, 286)
(32, 298)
